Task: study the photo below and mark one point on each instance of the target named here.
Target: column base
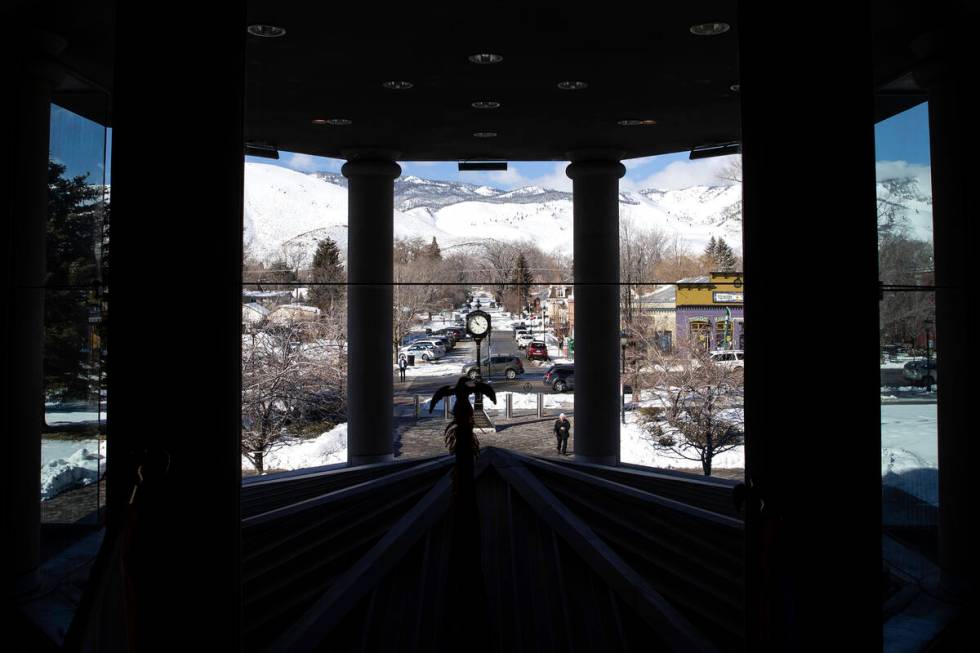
(609, 461)
(354, 461)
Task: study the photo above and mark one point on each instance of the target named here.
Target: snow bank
(73, 413)
(910, 450)
(326, 449)
(636, 447)
(529, 401)
(77, 470)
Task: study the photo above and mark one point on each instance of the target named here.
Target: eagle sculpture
(460, 438)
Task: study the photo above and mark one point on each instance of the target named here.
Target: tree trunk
(258, 463)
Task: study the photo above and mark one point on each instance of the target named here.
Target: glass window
(907, 349)
(294, 317)
(73, 438)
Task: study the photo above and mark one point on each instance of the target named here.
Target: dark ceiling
(640, 63)
(643, 64)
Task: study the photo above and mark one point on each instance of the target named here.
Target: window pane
(73, 438)
(909, 365)
(681, 314)
(909, 438)
(294, 319)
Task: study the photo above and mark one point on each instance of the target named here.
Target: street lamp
(622, 385)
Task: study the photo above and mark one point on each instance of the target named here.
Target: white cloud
(636, 163)
(554, 180)
(309, 163)
(683, 174)
(901, 169)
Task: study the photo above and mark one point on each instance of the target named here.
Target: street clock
(478, 324)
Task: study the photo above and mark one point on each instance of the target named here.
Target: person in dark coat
(562, 430)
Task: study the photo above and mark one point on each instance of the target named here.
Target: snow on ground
(637, 448)
(436, 368)
(62, 473)
(525, 401)
(328, 448)
(910, 450)
(82, 412)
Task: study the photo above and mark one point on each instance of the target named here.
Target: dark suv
(458, 333)
(537, 349)
(560, 377)
(509, 366)
(920, 372)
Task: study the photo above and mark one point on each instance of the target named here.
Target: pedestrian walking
(402, 364)
(562, 430)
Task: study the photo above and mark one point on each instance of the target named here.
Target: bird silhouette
(462, 391)
(460, 438)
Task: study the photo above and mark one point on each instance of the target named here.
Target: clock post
(478, 326)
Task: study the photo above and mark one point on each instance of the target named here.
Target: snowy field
(909, 450)
(68, 464)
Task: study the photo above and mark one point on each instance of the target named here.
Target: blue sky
(904, 137)
(901, 147)
(80, 145)
(670, 170)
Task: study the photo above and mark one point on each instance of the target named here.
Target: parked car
(560, 377)
(457, 333)
(920, 372)
(440, 344)
(447, 342)
(509, 366)
(424, 351)
(733, 359)
(524, 340)
(537, 349)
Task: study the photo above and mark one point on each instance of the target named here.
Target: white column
(596, 235)
(369, 304)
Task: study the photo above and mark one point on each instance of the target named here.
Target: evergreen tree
(724, 256)
(711, 250)
(328, 276)
(718, 256)
(523, 279)
(432, 250)
(77, 249)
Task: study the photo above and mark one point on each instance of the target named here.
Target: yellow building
(709, 311)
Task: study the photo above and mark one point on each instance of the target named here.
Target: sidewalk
(530, 435)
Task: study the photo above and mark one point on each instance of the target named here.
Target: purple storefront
(710, 311)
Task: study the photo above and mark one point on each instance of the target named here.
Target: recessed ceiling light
(266, 31)
(487, 104)
(710, 29)
(485, 57)
(572, 85)
(637, 123)
(398, 85)
(485, 134)
(735, 88)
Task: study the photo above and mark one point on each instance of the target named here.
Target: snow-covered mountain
(903, 205)
(288, 211)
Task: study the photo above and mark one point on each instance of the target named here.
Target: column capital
(595, 167)
(371, 168)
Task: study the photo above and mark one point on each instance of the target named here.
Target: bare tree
(678, 261)
(700, 412)
(641, 251)
(294, 379)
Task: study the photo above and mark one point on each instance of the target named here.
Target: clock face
(478, 325)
